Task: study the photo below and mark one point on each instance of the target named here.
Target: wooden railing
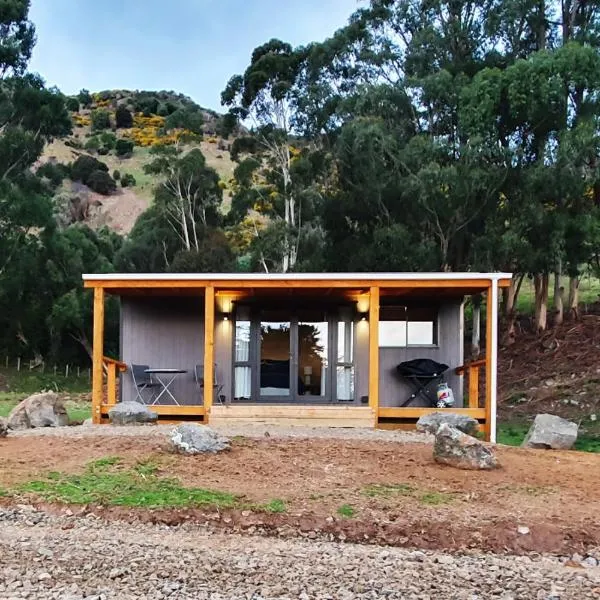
(111, 367)
(472, 371)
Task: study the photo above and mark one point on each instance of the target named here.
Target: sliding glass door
(286, 357)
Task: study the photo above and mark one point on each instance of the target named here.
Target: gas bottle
(445, 397)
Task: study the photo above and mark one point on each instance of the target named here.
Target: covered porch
(311, 349)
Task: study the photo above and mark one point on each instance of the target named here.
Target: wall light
(362, 316)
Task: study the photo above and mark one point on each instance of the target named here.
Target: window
(345, 357)
(400, 327)
(242, 371)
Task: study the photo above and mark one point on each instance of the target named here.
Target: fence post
(54, 370)
(18, 363)
(67, 371)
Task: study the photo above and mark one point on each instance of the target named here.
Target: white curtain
(345, 383)
(243, 382)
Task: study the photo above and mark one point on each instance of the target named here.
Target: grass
(107, 483)
(346, 511)
(30, 382)
(431, 498)
(276, 506)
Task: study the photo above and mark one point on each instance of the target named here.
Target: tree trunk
(509, 302)
(540, 283)
(558, 300)
(476, 332)
(574, 297)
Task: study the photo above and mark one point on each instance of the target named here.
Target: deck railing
(111, 368)
(472, 371)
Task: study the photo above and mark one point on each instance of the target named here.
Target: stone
(190, 438)
(131, 413)
(45, 409)
(431, 422)
(457, 449)
(550, 431)
(522, 530)
(3, 427)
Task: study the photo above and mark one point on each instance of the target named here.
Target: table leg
(165, 390)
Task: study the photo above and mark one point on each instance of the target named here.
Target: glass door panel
(275, 365)
(313, 349)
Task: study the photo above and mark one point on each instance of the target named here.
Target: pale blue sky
(190, 46)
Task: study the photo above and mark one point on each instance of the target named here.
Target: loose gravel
(67, 557)
(251, 431)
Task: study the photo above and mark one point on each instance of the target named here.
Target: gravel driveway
(71, 557)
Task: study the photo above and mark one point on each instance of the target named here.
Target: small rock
(431, 422)
(550, 431)
(457, 449)
(590, 561)
(522, 530)
(131, 413)
(190, 438)
(3, 427)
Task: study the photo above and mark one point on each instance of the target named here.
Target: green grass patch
(105, 482)
(346, 511)
(30, 382)
(276, 506)
(404, 489)
(386, 490)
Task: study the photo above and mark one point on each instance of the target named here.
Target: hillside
(150, 112)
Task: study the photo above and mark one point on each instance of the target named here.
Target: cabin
(309, 349)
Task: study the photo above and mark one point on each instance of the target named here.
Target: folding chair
(142, 381)
(423, 375)
(217, 385)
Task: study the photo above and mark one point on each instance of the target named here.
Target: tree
(101, 182)
(190, 194)
(124, 147)
(188, 118)
(123, 117)
(85, 98)
(72, 104)
(84, 166)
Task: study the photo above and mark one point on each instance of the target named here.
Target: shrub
(128, 180)
(116, 175)
(186, 118)
(55, 173)
(93, 143)
(108, 139)
(124, 147)
(123, 118)
(103, 151)
(72, 104)
(100, 119)
(84, 166)
(101, 182)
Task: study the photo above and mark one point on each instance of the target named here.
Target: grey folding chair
(142, 381)
(217, 385)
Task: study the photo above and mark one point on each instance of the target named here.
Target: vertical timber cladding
(97, 354)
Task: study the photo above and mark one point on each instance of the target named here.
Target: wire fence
(44, 368)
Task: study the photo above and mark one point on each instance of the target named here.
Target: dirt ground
(554, 494)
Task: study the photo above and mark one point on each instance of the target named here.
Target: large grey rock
(431, 422)
(3, 427)
(40, 410)
(190, 438)
(550, 431)
(457, 449)
(131, 413)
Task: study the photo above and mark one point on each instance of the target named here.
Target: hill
(156, 118)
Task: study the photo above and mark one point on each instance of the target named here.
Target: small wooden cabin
(311, 349)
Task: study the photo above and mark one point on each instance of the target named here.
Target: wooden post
(98, 351)
(491, 361)
(209, 350)
(374, 351)
(111, 384)
(474, 387)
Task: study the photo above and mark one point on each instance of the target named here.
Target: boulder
(40, 410)
(457, 449)
(131, 413)
(3, 427)
(190, 438)
(431, 422)
(550, 431)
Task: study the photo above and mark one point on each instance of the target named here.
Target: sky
(189, 46)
